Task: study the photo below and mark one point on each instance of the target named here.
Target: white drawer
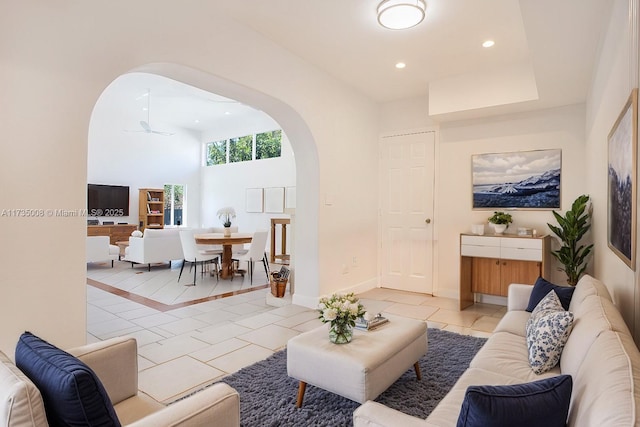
(480, 251)
(523, 243)
(481, 241)
(521, 254)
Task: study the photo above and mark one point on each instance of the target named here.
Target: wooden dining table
(227, 242)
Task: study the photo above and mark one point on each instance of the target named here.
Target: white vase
(227, 231)
(499, 228)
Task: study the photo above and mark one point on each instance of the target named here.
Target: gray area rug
(268, 395)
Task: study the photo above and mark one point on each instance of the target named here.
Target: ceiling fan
(146, 127)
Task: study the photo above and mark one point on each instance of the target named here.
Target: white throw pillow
(136, 233)
(548, 329)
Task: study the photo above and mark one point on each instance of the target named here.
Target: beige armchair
(115, 362)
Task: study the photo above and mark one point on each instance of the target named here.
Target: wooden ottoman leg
(416, 366)
(301, 389)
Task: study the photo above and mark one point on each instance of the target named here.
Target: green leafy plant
(501, 218)
(572, 227)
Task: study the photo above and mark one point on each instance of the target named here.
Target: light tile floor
(185, 349)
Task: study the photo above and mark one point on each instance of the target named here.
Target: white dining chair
(255, 253)
(194, 254)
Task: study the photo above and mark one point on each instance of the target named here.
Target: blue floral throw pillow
(548, 329)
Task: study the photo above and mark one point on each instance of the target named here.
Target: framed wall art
(290, 197)
(621, 198)
(517, 180)
(274, 200)
(254, 200)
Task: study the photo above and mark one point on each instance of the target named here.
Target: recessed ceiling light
(401, 65)
(144, 108)
(488, 43)
(196, 121)
(227, 113)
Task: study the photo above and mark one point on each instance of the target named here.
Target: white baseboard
(305, 301)
(312, 302)
(447, 293)
(491, 299)
(367, 285)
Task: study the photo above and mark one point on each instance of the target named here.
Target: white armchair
(98, 249)
(154, 246)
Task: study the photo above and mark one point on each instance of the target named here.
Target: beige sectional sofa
(600, 355)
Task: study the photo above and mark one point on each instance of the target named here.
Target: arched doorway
(306, 161)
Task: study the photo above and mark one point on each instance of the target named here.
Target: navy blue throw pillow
(72, 393)
(541, 288)
(539, 403)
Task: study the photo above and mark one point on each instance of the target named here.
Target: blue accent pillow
(541, 288)
(538, 403)
(72, 393)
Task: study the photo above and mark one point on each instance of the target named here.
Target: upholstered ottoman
(361, 369)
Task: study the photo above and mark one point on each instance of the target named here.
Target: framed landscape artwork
(517, 180)
(621, 200)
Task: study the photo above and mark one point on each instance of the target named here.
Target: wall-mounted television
(107, 200)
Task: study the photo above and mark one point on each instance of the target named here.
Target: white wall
(561, 128)
(61, 59)
(614, 78)
(225, 185)
(581, 132)
(457, 141)
(141, 160)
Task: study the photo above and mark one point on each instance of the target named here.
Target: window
(174, 204)
(241, 149)
(217, 153)
(263, 145)
(268, 144)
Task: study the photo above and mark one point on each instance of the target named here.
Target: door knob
(428, 220)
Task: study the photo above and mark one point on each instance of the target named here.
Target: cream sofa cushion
(514, 322)
(604, 393)
(448, 410)
(593, 316)
(586, 286)
(507, 353)
(21, 404)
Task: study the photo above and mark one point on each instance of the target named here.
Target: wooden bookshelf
(151, 208)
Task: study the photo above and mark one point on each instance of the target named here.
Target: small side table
(283, 222)
(123, 245)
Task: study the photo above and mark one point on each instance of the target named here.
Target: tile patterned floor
(183, 349)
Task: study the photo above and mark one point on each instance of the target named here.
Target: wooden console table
(490, 263)
(116, 232)
(283, 222)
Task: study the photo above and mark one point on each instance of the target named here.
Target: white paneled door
(407, 182)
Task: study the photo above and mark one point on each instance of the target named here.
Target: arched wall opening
(305, 267)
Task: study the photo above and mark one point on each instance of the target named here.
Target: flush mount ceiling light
(401, 14)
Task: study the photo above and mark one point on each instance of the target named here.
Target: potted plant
(225, 215)
(500, 221)
(572, 227)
